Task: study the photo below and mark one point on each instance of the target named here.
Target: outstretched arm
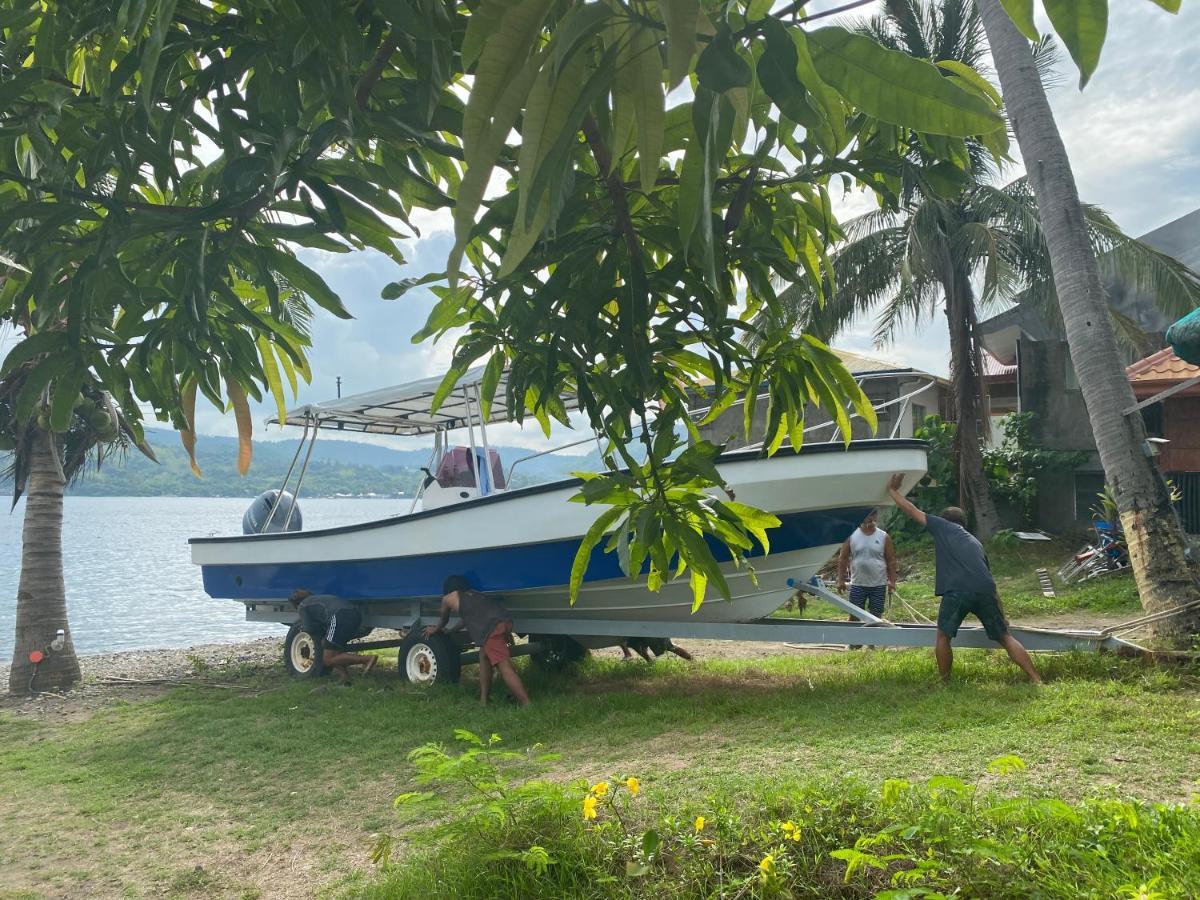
(843, 565)
(441, 625)
(902, 503)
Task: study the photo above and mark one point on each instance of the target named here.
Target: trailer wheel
(429, 660)
(558, 652)
(303, 655)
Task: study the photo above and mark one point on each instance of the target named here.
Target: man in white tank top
(869, 559)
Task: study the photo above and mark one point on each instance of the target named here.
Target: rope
(1160, 616)
(919, 617)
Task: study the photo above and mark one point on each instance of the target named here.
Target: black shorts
(956, 605)
(344, 626)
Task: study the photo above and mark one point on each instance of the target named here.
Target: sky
(1134, 139)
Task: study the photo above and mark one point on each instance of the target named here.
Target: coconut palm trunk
(1156, 542)
(41, 593)
(967, 387)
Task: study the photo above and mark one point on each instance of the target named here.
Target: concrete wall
(1050, 390)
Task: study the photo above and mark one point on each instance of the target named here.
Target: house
(1175, 419)
(1032, 372)
(903, 397)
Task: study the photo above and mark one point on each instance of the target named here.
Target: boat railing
(924, 382)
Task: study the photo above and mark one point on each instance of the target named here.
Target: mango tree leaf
(1081, 24)
(648, 103)
(245, 424)
(969, 75)
(681, 18)
(187, 435)
(584, 554)
(897, 88)
(720, 67)
(1021, 12)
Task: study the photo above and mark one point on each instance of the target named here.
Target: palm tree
(1166, 580)
(955, 239)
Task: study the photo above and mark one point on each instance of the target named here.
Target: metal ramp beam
(868, 629)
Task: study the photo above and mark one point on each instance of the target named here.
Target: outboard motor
(256, 516)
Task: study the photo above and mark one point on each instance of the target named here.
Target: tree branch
(362, 91)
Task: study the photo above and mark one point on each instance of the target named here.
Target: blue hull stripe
(522, 567)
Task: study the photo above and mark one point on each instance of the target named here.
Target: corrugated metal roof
(993, 368)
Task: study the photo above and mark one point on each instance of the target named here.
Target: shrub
(500, 838)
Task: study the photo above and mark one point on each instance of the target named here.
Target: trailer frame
(421, 659)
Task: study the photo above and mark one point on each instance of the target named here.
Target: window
(918, 416)
(1088, 486)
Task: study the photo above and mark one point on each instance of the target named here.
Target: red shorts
(495, 648)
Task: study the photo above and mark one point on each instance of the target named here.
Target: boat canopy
(405, 408)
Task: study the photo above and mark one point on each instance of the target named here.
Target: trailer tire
(303, 653)
(558, 652)
(429, 660)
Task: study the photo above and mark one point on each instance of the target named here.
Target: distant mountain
(337, 468)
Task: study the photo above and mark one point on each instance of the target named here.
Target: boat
(521, 542)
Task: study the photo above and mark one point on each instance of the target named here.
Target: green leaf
(266, 354)
(1171, 6)
(680, 17)
(1081, 24)
(487, 385)
(305, 280)
(163, 14)
(397, 289)
(648, 101)
(972, 77)
(482, 151)
(720, 67)
(1021, 12)
(584, 554)
(897, 88)
(34, 345)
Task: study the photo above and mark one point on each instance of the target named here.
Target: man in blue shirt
(964, 582)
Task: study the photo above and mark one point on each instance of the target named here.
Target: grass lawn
(207, 792)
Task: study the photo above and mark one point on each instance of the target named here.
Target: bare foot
(343, 675)
(370, 665)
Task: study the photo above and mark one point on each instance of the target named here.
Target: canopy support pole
(471, 438)
(303, 469)
(286, 479)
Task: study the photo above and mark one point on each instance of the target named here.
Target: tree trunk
(1156, 542)
(41, 595)
(966, 384)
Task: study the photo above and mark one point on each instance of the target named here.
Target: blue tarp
(1184, 337)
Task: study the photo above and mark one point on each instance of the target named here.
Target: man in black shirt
(336, 622)
(963, 579)
(490, 627)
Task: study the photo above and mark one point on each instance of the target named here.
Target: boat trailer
(440, 657)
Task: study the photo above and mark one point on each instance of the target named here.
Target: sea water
(129, 575)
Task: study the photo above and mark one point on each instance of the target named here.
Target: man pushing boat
(490, 627)
(963, 579)
(338, 622)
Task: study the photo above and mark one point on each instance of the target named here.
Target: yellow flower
(634, 785)
(767, 866)
(589, 807)
(792, 830)
(600, 788)
(699, 823)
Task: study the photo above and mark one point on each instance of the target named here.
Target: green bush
(500, 838)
